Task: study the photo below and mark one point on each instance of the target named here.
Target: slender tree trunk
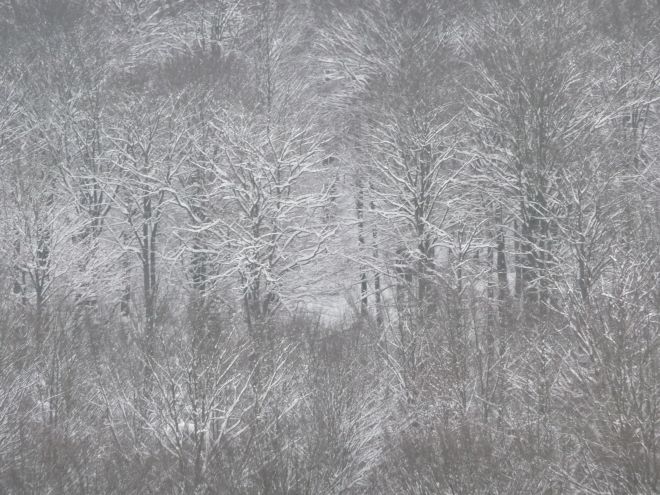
(364, 287)
(377, 287)
(149, 237)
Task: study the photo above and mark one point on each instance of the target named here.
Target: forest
(315, 247)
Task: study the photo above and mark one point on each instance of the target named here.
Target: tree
(146, 151)
(526, 119)
(261, 216)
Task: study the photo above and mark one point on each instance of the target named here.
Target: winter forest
(308, 247)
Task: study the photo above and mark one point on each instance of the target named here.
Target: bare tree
(146, 151)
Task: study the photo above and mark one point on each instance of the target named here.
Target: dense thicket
(329, 247)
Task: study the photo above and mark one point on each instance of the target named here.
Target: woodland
(308, 247)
